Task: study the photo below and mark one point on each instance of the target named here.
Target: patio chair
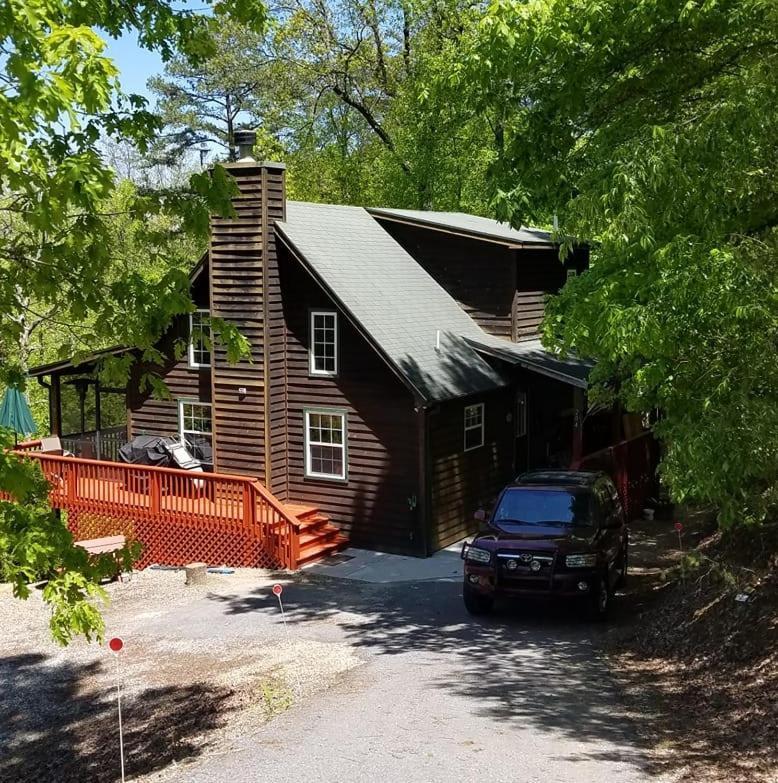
(53, 445)
(183, 459)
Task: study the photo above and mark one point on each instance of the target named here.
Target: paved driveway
(520, 697)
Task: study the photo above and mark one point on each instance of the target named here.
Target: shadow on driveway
(59, 723)
(531, 666)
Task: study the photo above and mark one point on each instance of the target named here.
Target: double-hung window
(196, 429)
(325, 444)
(199, 339)
(474, 426)
(323, 345)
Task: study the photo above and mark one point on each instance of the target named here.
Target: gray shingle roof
(469, 224)
(394, 301)
(532, 355)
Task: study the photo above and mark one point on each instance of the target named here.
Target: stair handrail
(276, 504)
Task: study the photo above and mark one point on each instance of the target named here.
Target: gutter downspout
(424, 500)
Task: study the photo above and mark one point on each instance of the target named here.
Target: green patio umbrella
(15, 413)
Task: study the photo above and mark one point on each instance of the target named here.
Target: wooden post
(155, 493)
(196, 573)
(579, 411)
(294, 547)
(55, 406)
(98, 420)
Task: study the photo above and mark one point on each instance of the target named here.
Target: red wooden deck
(180, 516)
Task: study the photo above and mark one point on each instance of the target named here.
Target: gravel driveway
(372, 682)
(440, 697)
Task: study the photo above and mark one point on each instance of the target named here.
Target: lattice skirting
(179, 543)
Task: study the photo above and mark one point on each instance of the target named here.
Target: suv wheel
(476, 603)
(621, 579)
(600, 599)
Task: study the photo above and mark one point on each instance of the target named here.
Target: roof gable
(410, 319)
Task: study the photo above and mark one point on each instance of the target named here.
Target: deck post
(155, 493)
(294, 548)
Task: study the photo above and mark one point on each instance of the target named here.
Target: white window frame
(470, 427)
(182, 431)
(309, 473)
(191, 348)
(312, 344)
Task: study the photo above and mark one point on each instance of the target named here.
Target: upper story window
(325, 444)
(323, 346)
(474, 426)
(199, 339)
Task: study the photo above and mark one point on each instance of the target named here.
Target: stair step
(314, 522)
(302, 511)
(320, 551)
(317, 537)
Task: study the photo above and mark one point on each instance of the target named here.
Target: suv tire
(600, 599)
(476, 603)
(621, 579)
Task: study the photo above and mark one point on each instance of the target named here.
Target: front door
(521, 442)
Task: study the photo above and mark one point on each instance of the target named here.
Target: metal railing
(96, 444)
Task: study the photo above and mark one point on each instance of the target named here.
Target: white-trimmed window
(196, 429)
(325, 444)
(323, 345)
(199, 339)
(474, 426)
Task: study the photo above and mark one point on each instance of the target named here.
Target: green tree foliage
(35, 545)
(59, 96)
(339, 91)
(203, 103)
(652, 128)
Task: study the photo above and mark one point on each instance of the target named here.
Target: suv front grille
(525, 569)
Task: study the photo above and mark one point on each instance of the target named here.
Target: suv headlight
(476, 555)
(581, 561)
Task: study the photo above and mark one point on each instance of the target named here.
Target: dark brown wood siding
(538, 274)
(372, 505)
(276, 355)
(150, 415)
(238, 255)
(479, 275)
(464, 481)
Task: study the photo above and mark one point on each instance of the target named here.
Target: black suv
(551, 533)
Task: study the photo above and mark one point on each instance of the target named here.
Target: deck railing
(632, 466)
(179, 516)
(101, 444)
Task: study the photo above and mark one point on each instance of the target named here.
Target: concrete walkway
(363, 565)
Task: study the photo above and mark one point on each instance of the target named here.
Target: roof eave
(570, 380)
(407, 220)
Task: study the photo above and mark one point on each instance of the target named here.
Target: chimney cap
(245, 141)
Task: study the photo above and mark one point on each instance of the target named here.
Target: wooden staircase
(319, 538)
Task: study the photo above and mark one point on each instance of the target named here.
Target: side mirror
(480, 515)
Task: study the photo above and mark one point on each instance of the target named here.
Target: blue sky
(135, 64)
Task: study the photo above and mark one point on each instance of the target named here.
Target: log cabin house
(396, 381)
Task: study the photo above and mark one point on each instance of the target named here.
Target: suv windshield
(522, 506)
